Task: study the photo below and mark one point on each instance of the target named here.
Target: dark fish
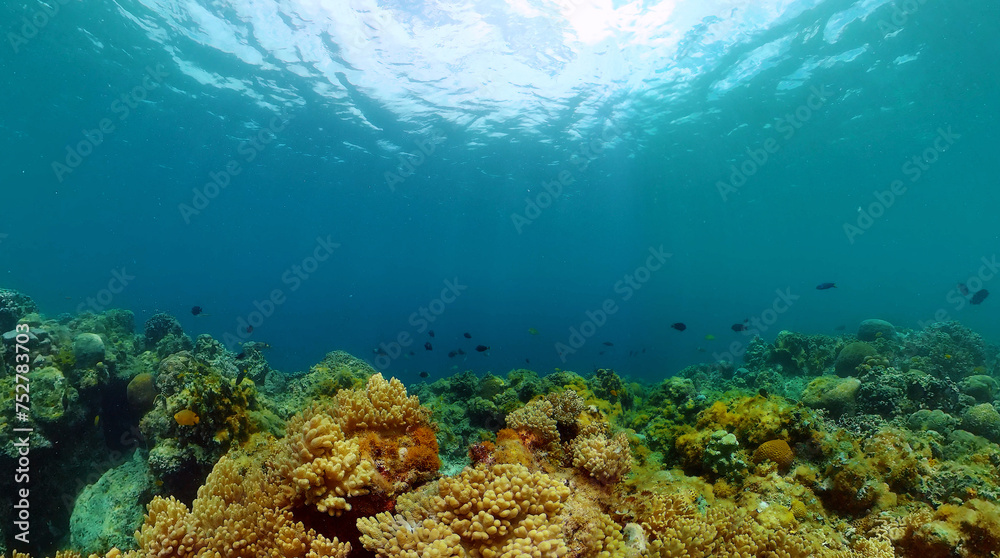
(825, 286)
(411, 353)
(527, 360)
(431, 333)
(631, 353)
(452, 354)
(196, 310)
(601, 353)
(428, 346)
(249, 329)
(424, 374)
(608, 344)
(467, 335)
(380, 351)
(739, 327)
(679, 326)
(644, 349)
(963, 289)
(482, 348)
(461, 352)
(241, 356)
(979, 296)
(840, 328)
(241, 375)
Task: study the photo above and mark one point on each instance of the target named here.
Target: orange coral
(777, 451)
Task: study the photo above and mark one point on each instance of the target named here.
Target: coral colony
(878, 443)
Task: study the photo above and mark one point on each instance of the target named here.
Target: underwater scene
(499, 278)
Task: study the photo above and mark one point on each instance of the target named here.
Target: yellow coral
(537, 418)
(381, 405)
(498, 512)
(236, 514)
(605, 459)
(325, 468)
(777, 451)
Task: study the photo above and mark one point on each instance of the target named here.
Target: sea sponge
(777, 451)
(485, 512)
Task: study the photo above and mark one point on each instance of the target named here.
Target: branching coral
(536, 418)
(381, 405)
(237, 514)
(606, 459)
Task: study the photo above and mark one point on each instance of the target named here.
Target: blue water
(643, 109)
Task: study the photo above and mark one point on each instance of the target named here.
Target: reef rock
(14, 306)
(870, 330)
(108, 512)
(88, 348)
(984, 420)
(851, 356)
(836, 395)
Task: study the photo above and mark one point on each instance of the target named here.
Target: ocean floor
(882, 442)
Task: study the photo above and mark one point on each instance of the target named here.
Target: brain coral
(777, 451)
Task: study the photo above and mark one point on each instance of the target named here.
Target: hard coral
(777, 451)
(237, 514)
(503, 510)
(603, 458)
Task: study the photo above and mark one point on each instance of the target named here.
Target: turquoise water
(416, 149)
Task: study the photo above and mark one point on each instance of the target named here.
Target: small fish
(186, 417)
(701, 349)
(411, 353)
(195, 310)
(963, 289)
(979, 297)
(608, 344)
(527, 361)
(452, 354)
(840, 327)
(249, 329)
(424, 374)
(461, 352)
(431, 333)
(947, 355)
(679, 326)
(482, 348)
(243, 355)
(428, 346)
(532, 331)
(601, 353)
(739, 327)
(97, 420)
(242, 375)
(467, 335)
(709, 337)
(644, 350)
(825, 286)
